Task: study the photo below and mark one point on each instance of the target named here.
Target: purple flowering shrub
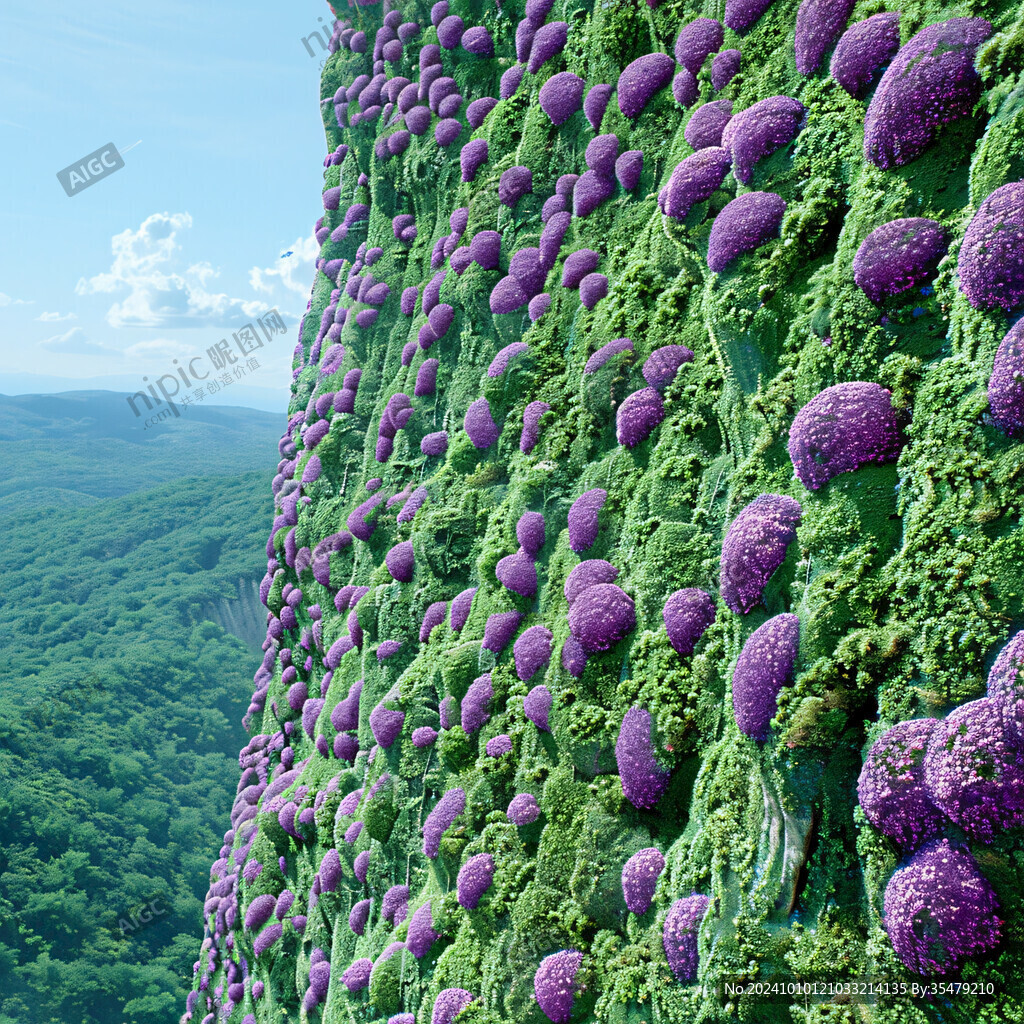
(841, 429)
(746, 223)
(687, 615)
(561, 96)
(898, 256)
(523, 809)
(532, 652)
(679, 935)
(764, 667)
(583, 518)
(760, 130)
(640, 878)
(554, 984)
(643, 779)
(694, 179)
(641, 79)
(475, 878)
(819, 23)
(863, 50)
(440, 819)
(537, 705)
(991, 260)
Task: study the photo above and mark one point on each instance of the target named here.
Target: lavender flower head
(863, 50)
(548, 41)
(517, 573)
(514, 183)
(640, 878)
(628, 168)
(386, 725)
(891, 788)
(423, 736)
(583, 518)
(532, 652)
(641, 79)
(498, 746)
(745, 224)
(664, 363)
(819, 23)
(361, 865)
(724, 68)
(1005, 684)
(475, 878)
(602, 616)
(432, 617)
(643, 779)
(841, 429)
(687, 615)
(460, 609)
(358, 917)
(638, 416)
(357, 976)
(531, 426)
(760, 130)
(577, 265)
(755, 547)
(435, 444)
(554, 984)
(475, 704)
(395, 900)
(400, 561)
(499, 364)
(449, 1004)
(679, 937)
(421, 935)
(991, 260)
(596, 103)
(697, 41)
(974, 771)
(523, 809)
(764, 666)
(931, 81)
(440, 819)
(499, 630)
(561, 96)
(899, 256)
(480, 425)
(694, 179)
(939, 910)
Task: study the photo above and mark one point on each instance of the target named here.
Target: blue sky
(175, 251)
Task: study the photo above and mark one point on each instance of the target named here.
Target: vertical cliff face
(647, 527)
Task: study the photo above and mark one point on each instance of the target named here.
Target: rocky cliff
(645, 579)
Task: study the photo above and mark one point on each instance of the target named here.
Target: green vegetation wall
(647, 529)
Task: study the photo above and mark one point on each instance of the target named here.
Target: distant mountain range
(74, 448)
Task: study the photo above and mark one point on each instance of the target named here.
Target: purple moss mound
(596, 103)
(523, 809)
(499, 746)
(641, 79)
(764, 666)
(601, 153)
(514, 183)
(663, 364)
(460, 609)
(1006, 386)
(863, 50)
(386, 725)
(746, 223)
(421, 935)
(974, 771)
(401, 562)
(724, 68)
(499, 630)
(697, 41)
(931, 82)
(694, 180)
(679, 937)
(760, 130)
(593, 288)
(548, 41)
(517, 573)
(554, 984)
(561, 96)
(475, 704)
(1006, 685)
(588, 574)
(899, 256)
(577, 265)
(687, 615)
(480, 426)
(629, 166)
(449, 1004)
(638, 416)
(891, 788)
(537, 704)
(841, 429)
(475, 878)
(440, 819)
(640, 878)
(939, 910)
(741, 14)
(819, 23)
(531, 425)
(755, 547)
(707, 123)
(643, 779)
(532, 652)
(583, 519)
(991, 261)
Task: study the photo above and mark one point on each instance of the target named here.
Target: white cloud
(294, 272)
(163, 348)
(52, 318)
(75, 342)
(6, 300)
(159, 293)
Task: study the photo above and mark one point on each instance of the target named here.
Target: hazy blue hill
(67, 450)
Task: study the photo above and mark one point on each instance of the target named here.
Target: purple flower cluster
(991, 261)
(357, 976)
(863, 50)
(641, 79)
(386, 725)
(662, 365)
(687, 615)
(583, 517)
(760, 130)
(554, 984)
(741, 14)
(475, 704)
(499, 630)
(421, 935)
(764, 666)
(498, 746)
(401, 562)
(531, 426)
(449, 1004)
(899, 256)
(475, 878)
(819, 23)
(746, 223)
(561, 96)
(841, 429)
(601, 616)
(638, 416)
(460, 609)
(537, 706)
(640, 878)
(891, 788)
(679, 937)
(706, 124)
(480, 425)
(755, 547)
(931, 81)
(440, 819)
(643, 779)
(532, 652)
(724, 68)
(694, 179)
(523, 809)
(939, 910)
